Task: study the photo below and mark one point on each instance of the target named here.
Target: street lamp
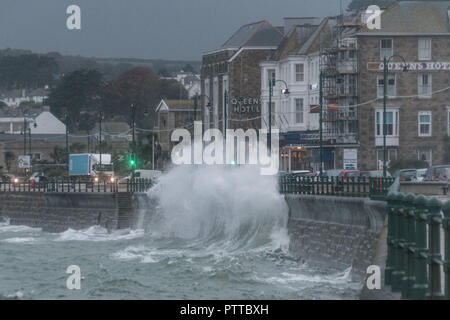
(283, 91)
(321, 120)
(385, 80)
(100, 118)
(67, 138)
(133, 146)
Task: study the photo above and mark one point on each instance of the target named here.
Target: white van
(146, 174)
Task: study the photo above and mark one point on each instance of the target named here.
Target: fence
(418, 230)
(376, 188)
(78, 185)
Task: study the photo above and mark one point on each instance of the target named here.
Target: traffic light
(132, 161)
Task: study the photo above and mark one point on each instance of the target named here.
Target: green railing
(414, 264)
(376, 188)
(79, 185)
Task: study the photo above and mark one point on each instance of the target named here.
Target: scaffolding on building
(339, 66)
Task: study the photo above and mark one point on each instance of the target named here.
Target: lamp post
(100, 133)
(321, 120)
(24, 135)
(385, 80)
(284, 91)
(67, 139)
(133, 143)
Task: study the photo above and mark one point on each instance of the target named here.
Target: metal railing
(418, 230)
(79, 185)
(376, 188)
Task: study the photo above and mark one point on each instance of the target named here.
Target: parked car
(38, 177)
(7, 178)
(333, 173)
(421, 174)
(406, 175)
(374, 174)
(301, 172)
(346, 174)
(437, 173)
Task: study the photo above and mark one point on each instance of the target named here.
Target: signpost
(25, 162)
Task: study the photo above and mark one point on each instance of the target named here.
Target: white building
(43, 123)
(16, 97)
(296, 68)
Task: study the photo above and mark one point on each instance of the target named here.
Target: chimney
(289, 23)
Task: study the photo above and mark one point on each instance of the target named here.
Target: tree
(9, 158)
(77, 147)
(59, 155)
(172, 89)
(139, 87)
(357, 5)
(79, 91)
(402, 163)
(29, 71)
(163, 73)
(188, 68)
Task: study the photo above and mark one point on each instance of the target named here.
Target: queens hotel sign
(246, 105)
(412, 66)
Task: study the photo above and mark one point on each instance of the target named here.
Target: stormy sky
(151, 29)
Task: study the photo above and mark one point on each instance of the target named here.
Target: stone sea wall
(336, 232)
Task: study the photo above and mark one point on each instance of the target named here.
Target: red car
(346, 174)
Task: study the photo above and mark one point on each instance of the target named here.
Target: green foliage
(357, 5)
(9, 158)
(76, 92)
(77, 147)
(402, 163)
(188, 68)
(172, 89)
(104, 146)
(59, 155)
(29, 71)
(139, 87)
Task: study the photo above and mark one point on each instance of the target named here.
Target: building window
(386, 48)
(271, 76)
(392, 122)
(299, 117)
(424, 49)
(391, 86)
(391, 155)
(300, 72)
(425, 124)
(425, 154)
(424, 88)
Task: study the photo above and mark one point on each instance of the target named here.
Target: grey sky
(165, 29)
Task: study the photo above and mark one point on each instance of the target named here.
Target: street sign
(24, 162)
(351, 159)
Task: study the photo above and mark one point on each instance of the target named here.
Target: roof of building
(414, 17)
(256, 34)
(305, 48)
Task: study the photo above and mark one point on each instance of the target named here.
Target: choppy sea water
(215, 242)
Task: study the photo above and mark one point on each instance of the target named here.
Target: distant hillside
(109, 67)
